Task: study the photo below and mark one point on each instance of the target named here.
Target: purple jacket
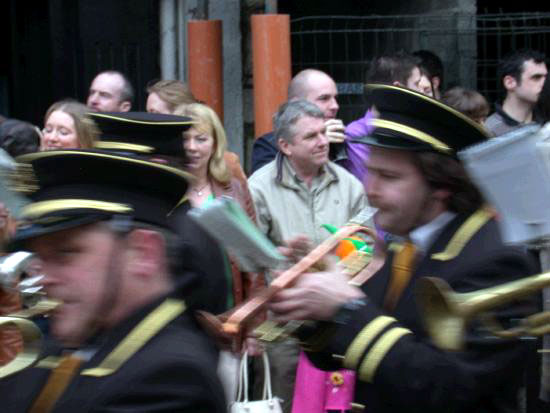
(357, 152)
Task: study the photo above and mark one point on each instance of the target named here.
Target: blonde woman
(205, 146)
(172, 97)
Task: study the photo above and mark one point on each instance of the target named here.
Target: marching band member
(107, 250)
(424, 195)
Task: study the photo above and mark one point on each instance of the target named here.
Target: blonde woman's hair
(208, 122)
(86, 130)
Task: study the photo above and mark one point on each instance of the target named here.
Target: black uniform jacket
(398, 368)
(172, 371)
(201, 254)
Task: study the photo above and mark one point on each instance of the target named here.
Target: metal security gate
(469, 45)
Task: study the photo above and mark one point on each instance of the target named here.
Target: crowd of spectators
(315, 169)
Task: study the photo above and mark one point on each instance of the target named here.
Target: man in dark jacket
(107, 252)
(423, 195)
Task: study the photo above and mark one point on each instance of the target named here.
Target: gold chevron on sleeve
(378, 352)
(363, 339)
(138, 337)
(466, 231)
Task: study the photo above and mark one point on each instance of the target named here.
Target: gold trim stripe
(435, 102)
(141, 122)
(138, 337)
(181, 201)
(50, 362)
(124, 146)
(363, 339)
(395, 247)
(466, 231)
(378, 352)
(37, 209)
(415, 133)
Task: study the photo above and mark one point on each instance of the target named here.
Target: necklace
(199, 191)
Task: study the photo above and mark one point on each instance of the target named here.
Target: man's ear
(125, 106)
(146, 256)
(509, 82)
(284, 147)
(396, 83)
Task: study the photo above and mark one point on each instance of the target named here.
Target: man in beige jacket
(294, 195)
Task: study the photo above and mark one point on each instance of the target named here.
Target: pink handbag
(317, 391)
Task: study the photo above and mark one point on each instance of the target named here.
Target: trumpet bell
(30, 289)
(445, 325)
(447, 314)
(28, 356)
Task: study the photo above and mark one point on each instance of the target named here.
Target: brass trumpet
(231, 323)
(11, 268)
(447, 313)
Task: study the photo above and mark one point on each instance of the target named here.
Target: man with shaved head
(110, 91)
(316, 87)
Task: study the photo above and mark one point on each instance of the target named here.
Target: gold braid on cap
(37, 209)
(415, 133)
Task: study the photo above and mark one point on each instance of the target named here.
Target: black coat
(201, 255)
(399, 369)
(264, 150)
(174, 371)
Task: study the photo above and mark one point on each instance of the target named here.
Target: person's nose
(372, 187)
(93, 99)
(323, 139)
(190, 145)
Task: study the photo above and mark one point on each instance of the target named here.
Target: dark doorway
(56, 47)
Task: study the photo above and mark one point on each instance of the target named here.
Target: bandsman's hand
(314, 296)
(335, 130)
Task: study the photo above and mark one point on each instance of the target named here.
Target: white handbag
(268, 404)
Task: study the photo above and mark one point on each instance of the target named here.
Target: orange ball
(344, 248)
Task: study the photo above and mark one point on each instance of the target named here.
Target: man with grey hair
(110, 91)
(294, 195)
(316, 87)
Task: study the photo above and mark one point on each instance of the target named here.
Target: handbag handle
(242, 389)
(267, 393)
(243, 379)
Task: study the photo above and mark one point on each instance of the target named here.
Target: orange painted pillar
(206, 63)
(270, 67)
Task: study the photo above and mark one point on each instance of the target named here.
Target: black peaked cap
(141, 133)
(409, 120)
(69, 188)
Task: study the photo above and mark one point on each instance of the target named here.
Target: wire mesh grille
(470, 46)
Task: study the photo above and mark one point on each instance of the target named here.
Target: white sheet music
(226, 221)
